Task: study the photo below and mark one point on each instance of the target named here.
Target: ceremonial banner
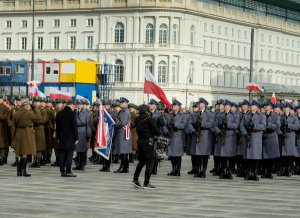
(104, 134)
(57, 94)
(273, 98)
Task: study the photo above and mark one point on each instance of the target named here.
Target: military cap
(36, 99)
(255, 103)
(25, 101)
(79, 101)
(143, 108)
(234, 104)
(195, 104)
(96, 103)
(269, 103)
(122, 99)
(277, 106)
(58, 101)
(160, 106)
(1, 96)
(175, 102)
(43, 99)
(221, 101)
(229, 103)
(153, 101)
(245, 102)
(106, 102)
(202, 100)
(17, 98)
(290, 106)
(116, 104)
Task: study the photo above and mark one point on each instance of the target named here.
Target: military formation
(245, 139)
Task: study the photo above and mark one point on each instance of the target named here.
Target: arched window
(119, 71)
(163, 34)
(162, 72)
(191, 73)
(149, 66)
(149, 33)
(192, 36)
(119, 32)
(175, 31)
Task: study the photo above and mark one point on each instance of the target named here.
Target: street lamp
(33, 41)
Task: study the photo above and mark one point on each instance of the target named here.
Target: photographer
(146, 130)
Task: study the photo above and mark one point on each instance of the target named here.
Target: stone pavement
(95, 194)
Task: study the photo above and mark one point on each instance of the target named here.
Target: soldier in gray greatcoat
(84, 134)
(176, 125)
(123, 140)
(227, 139)
(242, 142)
(271, 141)
(193, 128)
(217, 146)
(289, 126)
(204, 141)
(297, 153)
(252, 130)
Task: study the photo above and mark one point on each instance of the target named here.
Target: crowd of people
(245, 139)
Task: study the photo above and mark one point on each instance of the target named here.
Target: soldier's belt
(81, 126)
(23, 127)
(269, 131)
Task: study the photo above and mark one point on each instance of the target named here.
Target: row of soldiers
(247, 139)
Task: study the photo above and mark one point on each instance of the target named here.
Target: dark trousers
(146, 157)
(65, 159)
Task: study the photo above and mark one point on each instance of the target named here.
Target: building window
(73, 42)
(270, 38)
(232, 32)
(175, 33)
(20, 68)
(149, 67)
(163, 32)
(119, 71)
(8, 43)
(212, 48)
(8, 24)
(219, 30)
(226, 50)
(205, 27)
(245, 35)
(261, 54)
(48, 70)
(56, 43)
(89, 42)
(239, 52)
(23, 43)
(73, 23)
(239, 33)
(219, 48)
(277, 55)
(262, 37)
(232, 50)
(40, 42)
(174, 71)
(24, 23)
(149, 34)
(56, 23)
(40, 23)
(5, 70)
(191, 73)
(119, 32)
(277, 40)
(212, 29)
(245, 52)
(204, 46)
(90, 22)
(226, 31)
(192, 32)
(162, 72)
(269, 56)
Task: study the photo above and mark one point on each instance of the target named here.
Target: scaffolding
(105, 81)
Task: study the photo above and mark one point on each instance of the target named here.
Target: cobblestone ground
(95, 194)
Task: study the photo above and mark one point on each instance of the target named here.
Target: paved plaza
(95, 194)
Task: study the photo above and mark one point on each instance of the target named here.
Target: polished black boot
(1, 161)
(24, 166)
(121, 164)
(19, 164)
(172, 173)
(34, 163)
(154, 170)
(126, 164)
(178, 166)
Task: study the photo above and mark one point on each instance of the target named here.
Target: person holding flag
(123, 141)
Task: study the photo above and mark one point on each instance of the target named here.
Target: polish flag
(288, 101)
(273, 98)
(34, 90)
(253, 87)
(57, 94)
(151, 86)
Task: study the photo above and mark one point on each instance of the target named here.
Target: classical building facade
(193, 48)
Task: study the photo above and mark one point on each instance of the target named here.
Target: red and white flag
(57, 94)
(288, 101)
(253, 87)
(151, 86)
(34, 90)
(273, 98)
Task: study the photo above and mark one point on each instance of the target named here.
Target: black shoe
(222, 176)
(177, 173)
(148, 186)
(216, 173)
(19, 163)
(24, 166)
(125, 171)
(136, 184)
(119, 170)
(63, 174)
(70, 175)
(248, 176)
(13, 164)
(172, 173)
(54, 164)
(192, 172)
(267, 176)
(229, 175)
(255, 178)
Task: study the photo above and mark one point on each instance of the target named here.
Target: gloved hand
(251, 125)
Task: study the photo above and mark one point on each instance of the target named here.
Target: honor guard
(252, 129)
(4, 114)
(133, 112)
(176, 126)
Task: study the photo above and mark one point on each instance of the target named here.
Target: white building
(197, 47)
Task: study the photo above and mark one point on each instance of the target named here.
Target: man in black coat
(67, 135)
(146, 130)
